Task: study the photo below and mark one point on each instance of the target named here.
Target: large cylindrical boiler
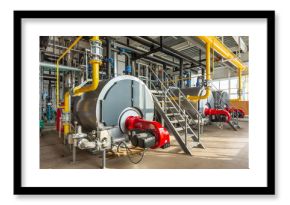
(111, 103)
(220, 99)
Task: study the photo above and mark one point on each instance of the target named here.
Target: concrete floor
(225, 149)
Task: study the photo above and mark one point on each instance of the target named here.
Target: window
(224, 84)
(231, 86)
(216, 85)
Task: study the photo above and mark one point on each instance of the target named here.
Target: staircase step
(171, 107)
(176, 121)
(166, 106)
(156, 91)
(233, 126)
(159, 95)
(166, 101)
(178, 129)
(172, 114)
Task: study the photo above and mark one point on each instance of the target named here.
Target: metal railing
(176, 99)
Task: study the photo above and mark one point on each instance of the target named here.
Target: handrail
(172, 95)
(174, 88)
(183, 116)
(185, 97)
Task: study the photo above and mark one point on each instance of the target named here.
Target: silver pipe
(74, 151)
(128, 57)
(115, 61)
(104, 159)
(52, 66)
(64, 47)
(87, 73)
(59, 131)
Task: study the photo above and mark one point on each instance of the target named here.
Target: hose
(129, 152)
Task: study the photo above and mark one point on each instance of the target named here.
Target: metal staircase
(168, 100)
(234, 123)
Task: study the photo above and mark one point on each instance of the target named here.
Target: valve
(96, 50)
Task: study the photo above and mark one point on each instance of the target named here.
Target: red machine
(240, 113)
(219, 112)
(147, 133)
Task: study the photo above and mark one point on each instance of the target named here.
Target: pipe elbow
(203, 97)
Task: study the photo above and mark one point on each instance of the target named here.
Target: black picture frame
(268, 190)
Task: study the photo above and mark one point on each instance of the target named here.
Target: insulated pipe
(207, 76)
(52, 66)
(57, 68)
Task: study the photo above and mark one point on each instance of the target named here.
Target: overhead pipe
(165, 49)
(151, 58)
(52, 66)
(57, 69)
(226, 53)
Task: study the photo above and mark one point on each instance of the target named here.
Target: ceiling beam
(241, 43)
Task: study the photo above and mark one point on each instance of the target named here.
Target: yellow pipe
(80, 90)
(57, 69)
(226, 53)
(207, 76)
(95, 38)
(95, 74)
(240, 87)
(66, 126)
(95, 79)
